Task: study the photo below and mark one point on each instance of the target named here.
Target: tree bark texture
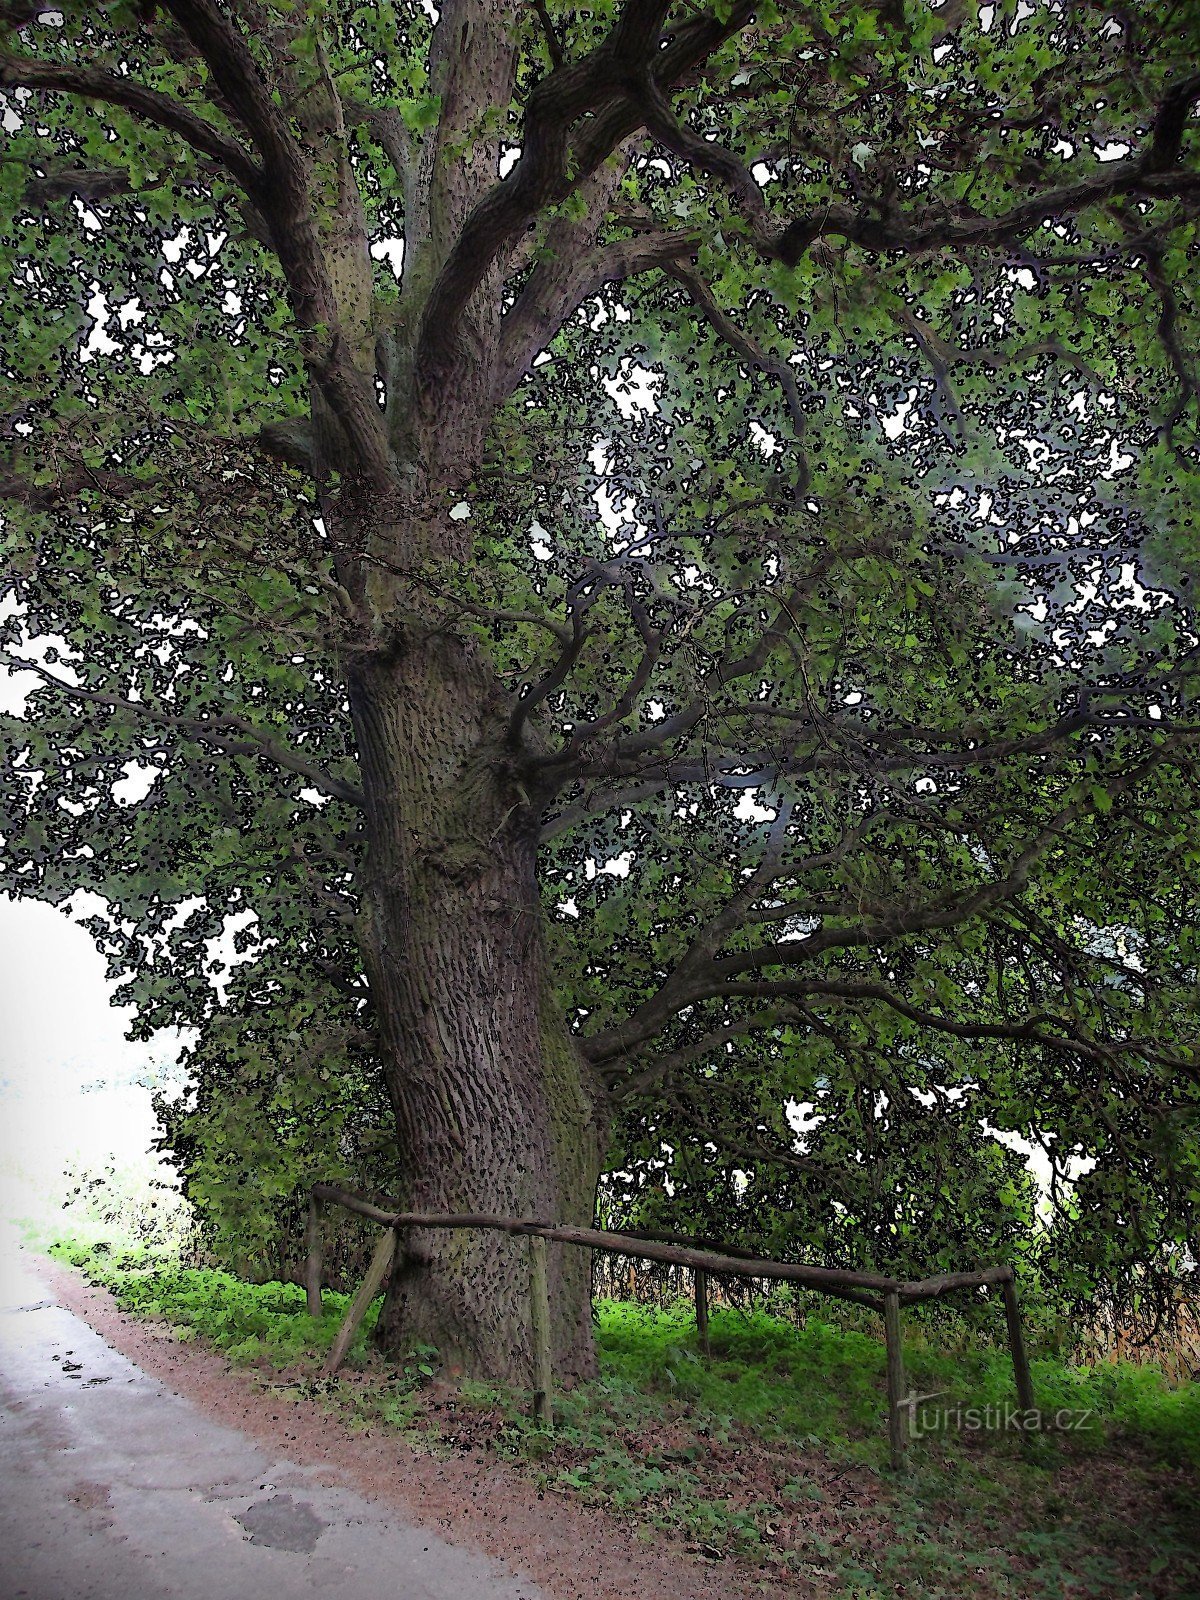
(494, 1106)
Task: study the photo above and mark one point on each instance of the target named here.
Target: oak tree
(648, 545)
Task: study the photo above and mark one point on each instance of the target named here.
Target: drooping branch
(700, 975)
(226, 732)
(1042, 1028)
(701, 295)
(118, 89)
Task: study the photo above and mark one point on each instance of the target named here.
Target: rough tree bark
(495, 1107)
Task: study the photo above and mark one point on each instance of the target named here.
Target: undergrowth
(773, 1449)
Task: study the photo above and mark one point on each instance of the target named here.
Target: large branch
(1153, 174)
(698, 976)
(282, 196)
(917, 233)
(556, 287)
(112, 88)
(602, 87)
(236, 76)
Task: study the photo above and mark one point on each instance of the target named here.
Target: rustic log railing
(705, 1259)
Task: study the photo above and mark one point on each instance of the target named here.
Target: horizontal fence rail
(705, 1259)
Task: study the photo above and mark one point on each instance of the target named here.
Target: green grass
(774, 1449)
(824, 1382)
(250, 1322)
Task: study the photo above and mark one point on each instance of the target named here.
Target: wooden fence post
(702, 1311)
(357, 1310)
(312, 1260)
(895, 1379)
(539, 1318)
(1016, 1343)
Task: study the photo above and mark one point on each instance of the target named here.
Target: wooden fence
(883, 1294)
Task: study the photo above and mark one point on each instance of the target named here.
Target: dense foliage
(831, 539)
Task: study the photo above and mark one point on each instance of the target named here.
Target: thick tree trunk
(494, 1107)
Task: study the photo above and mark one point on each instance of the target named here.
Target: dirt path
(128, 1462)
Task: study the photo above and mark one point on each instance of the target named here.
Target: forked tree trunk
(494, 1107)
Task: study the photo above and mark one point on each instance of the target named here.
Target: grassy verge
(772, 1451)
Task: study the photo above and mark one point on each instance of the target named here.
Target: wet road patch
(283, 1523)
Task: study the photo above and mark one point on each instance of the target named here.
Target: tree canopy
(801, 409)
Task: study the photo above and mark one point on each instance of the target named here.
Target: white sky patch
(803, 1117)
(391, 251)
(893, 422)
(173, 248)
(634, 389)
(137, 783)
(796, 929)
(220, 951)
(1118, 460)
(1076, 1166)
(509, 159)
(87, 216)
(98, 342)
(539, 541)
(615, 511)
(764, 439)
(16, 686)
(618, 866)
(748, 808)
(72, 1087)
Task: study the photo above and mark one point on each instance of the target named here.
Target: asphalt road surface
(112, 1488)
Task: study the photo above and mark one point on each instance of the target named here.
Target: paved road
(112, 1488)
